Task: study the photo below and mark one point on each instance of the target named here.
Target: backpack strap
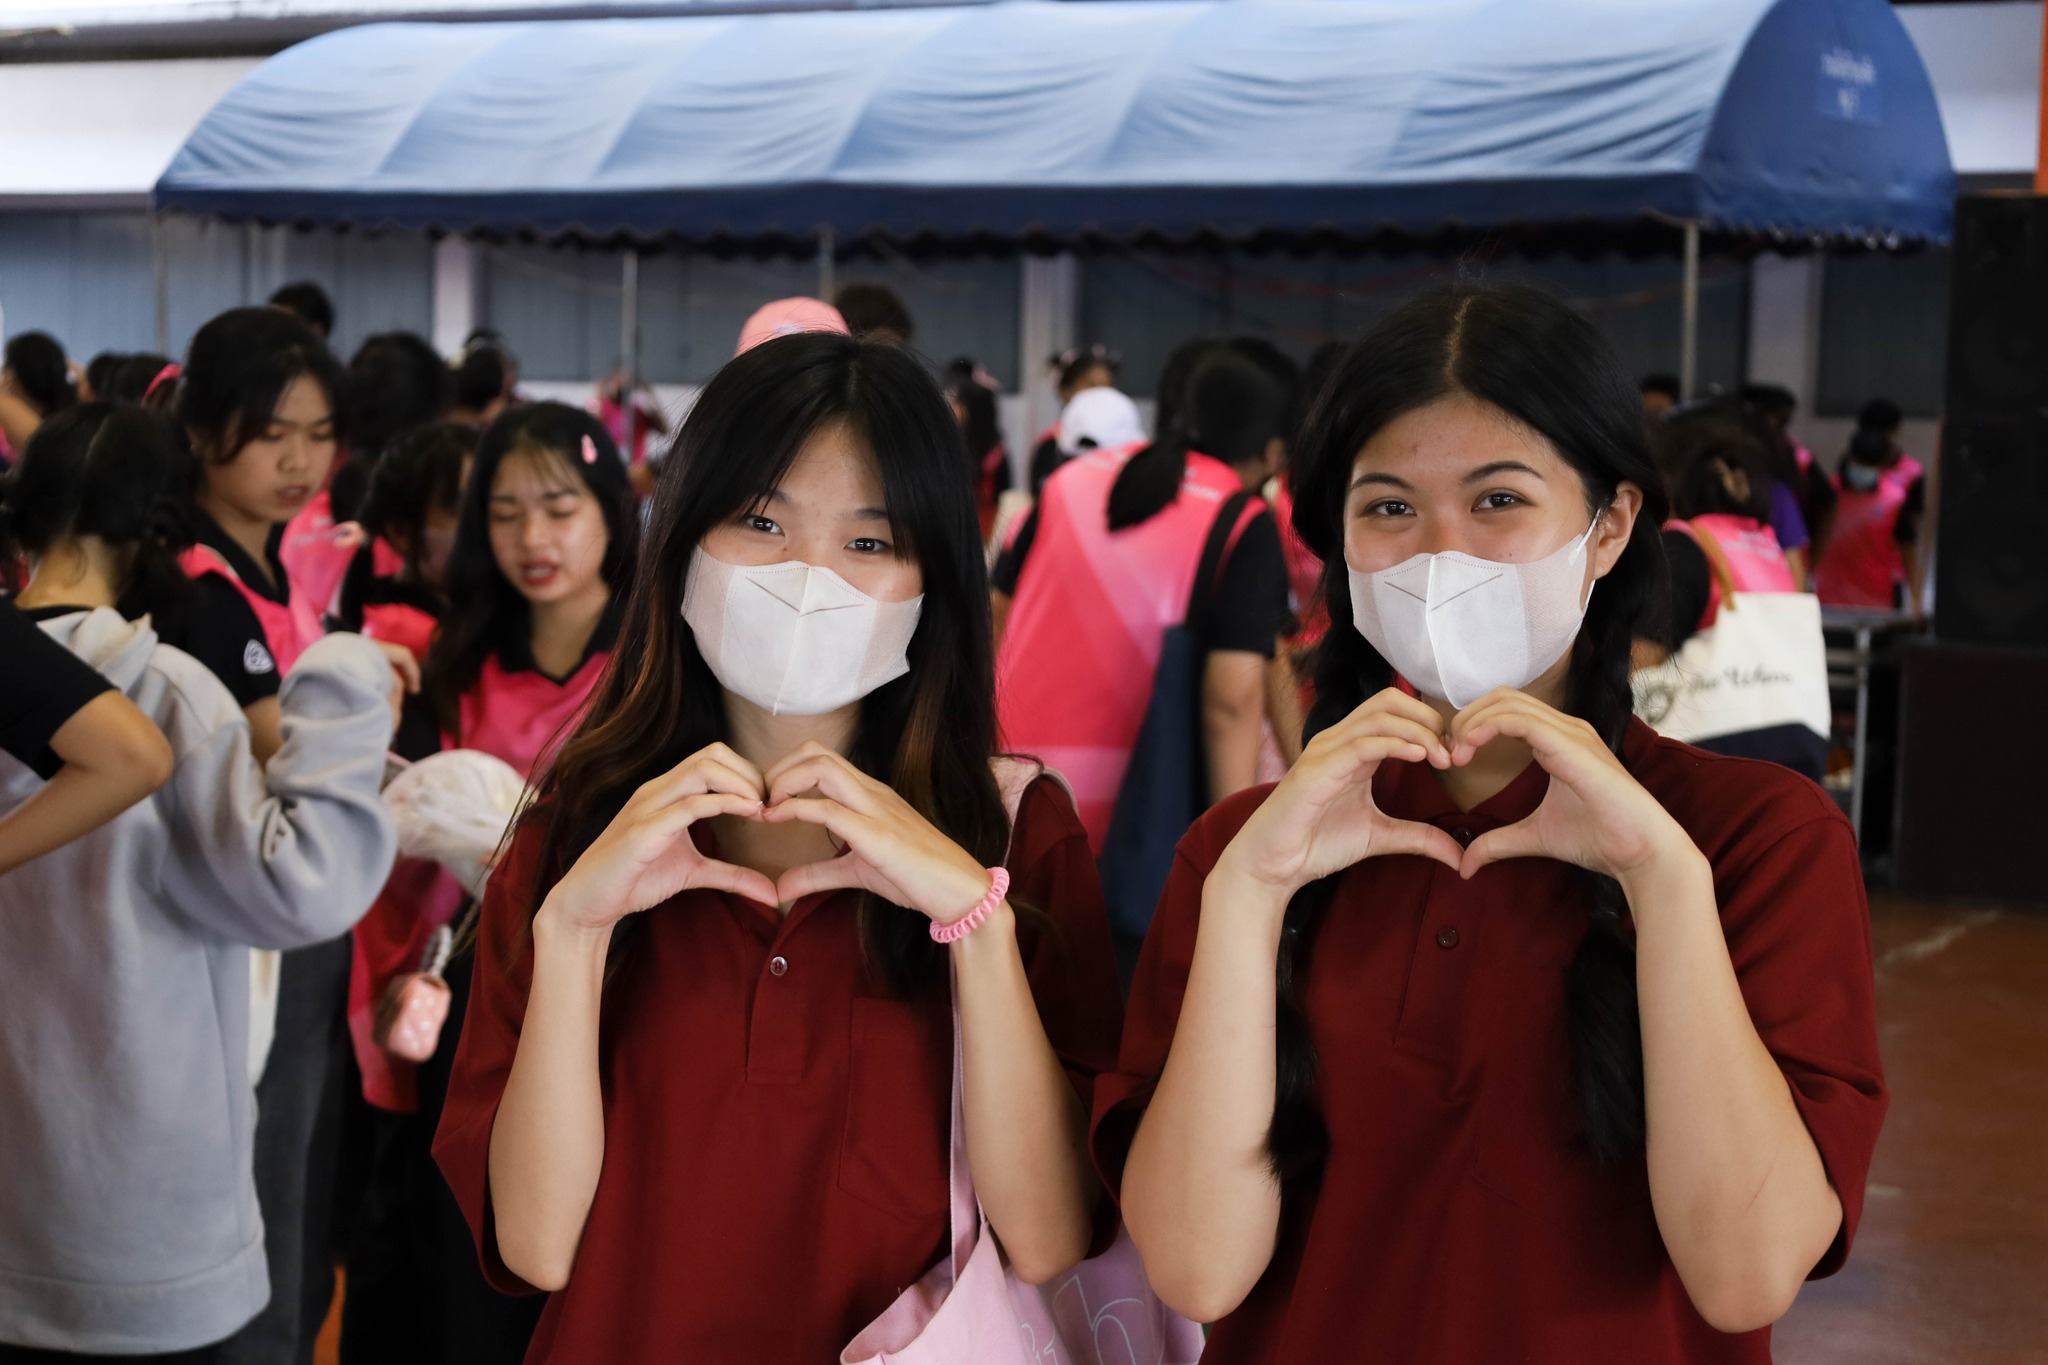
(1231, 520)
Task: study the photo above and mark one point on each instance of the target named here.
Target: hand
(1322, 817)
(891, 850)
(1595, 815)
(405, 677)
(646, 854)
(350, 536)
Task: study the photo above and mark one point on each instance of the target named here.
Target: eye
(1500, 501)
(869, 545)
(1388, 507)
(755, 522)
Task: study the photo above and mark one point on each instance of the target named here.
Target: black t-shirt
(1906, 530)
(1692, 588)
(1044, 460)
(216, 625)
(1249, 610)
(42, 685)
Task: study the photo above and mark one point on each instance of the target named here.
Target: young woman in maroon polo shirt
(702, 1094)
(1570, 1051)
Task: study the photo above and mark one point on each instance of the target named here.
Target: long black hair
(237, 369)
(1151, 478)
(1526, 353)
(486, 611)
(116, 473)
(1696, 445)
(929, 734)
(41, 372)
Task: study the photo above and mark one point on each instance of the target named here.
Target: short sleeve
(1906, 530)
(1798, 929)
(500, 979)
(1250, 610)
(218, 628)
(1010, 563)
(1153, 1011)
(1064, 935)
(1788, 523)
(44, 686)
(1692, 588)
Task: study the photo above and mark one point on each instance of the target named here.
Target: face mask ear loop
(1579, 553)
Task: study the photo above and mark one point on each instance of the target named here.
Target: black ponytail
(1151, 479)
(41, 372)
(1529, 355)
(115, 473)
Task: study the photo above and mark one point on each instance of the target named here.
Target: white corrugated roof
(80, 129)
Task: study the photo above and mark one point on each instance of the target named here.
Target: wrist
(555, 931)
(1232, 894)
(1674, 865)
(992, 938)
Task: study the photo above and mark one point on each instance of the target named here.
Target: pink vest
(316, 552)
(1074, 673)
(1862, 566)
(521, 716)
(1754, 559)
(288, 627)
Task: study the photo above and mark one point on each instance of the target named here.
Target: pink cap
(787, 317)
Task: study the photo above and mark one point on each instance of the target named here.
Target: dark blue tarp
(1794, 117)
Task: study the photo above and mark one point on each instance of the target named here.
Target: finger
(405, 666)
(1357, 759)
(1424, 841)
(735, 760)
(699, 773)
(1393, 701)
(1519, 840)
(848, 827)
(1555, 739)
(832, 875)
(826, 773)
(810, 756)
(740, 881)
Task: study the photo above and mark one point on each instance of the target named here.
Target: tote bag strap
(1717, 562)
(1224, 533)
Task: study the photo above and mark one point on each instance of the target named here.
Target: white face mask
(1456, 626)
(795, 639)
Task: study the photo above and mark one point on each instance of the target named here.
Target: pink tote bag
(970, 1309)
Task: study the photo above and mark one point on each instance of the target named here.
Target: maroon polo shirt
(1460, 1218)
(775, 1165)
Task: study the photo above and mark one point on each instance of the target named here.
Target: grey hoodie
(128, 1218)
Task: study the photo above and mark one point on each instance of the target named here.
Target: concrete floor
(1951, 1262)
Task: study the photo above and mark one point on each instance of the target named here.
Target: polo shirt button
(1447, 938)
(1463, 836)
(778, 966)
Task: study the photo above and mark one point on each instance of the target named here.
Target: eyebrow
(1388, 480)
(1487, 471)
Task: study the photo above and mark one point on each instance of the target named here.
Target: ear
(1617, 524)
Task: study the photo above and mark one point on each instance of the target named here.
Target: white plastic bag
(454, 808)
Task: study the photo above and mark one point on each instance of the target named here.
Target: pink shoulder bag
(970, 1309)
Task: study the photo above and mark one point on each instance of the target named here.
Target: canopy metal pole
(1689, 324)
(160, 268)
(629, 319)
(827, 249)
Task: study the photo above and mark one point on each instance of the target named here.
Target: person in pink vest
(257, 401)
(1720, 495)
(1872, 549)
(1105, 567)
(544, 548)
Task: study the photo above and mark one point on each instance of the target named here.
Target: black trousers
(298, 1138)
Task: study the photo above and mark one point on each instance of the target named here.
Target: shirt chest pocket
(898, 1123)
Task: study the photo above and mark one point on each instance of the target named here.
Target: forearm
(1233, 707)
(547, 1144)
(113, 757)
(1198, 1194)
(1026, 1134)
(1741, 1197)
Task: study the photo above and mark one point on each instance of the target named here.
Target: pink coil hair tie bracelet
(999, 886)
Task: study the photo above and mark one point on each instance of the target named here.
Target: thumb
(831, 875)
(1519, 840)
(741, 881)
(1425, 841)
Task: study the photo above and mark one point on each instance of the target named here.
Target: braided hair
(1529, 355)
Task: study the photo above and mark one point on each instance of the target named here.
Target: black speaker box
(1973, 774)
(1991, 558)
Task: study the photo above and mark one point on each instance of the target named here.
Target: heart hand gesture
(646, 855)
(1322, 817)
(890, 849)
(1595, 814)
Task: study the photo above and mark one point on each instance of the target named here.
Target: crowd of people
(1230, 842)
